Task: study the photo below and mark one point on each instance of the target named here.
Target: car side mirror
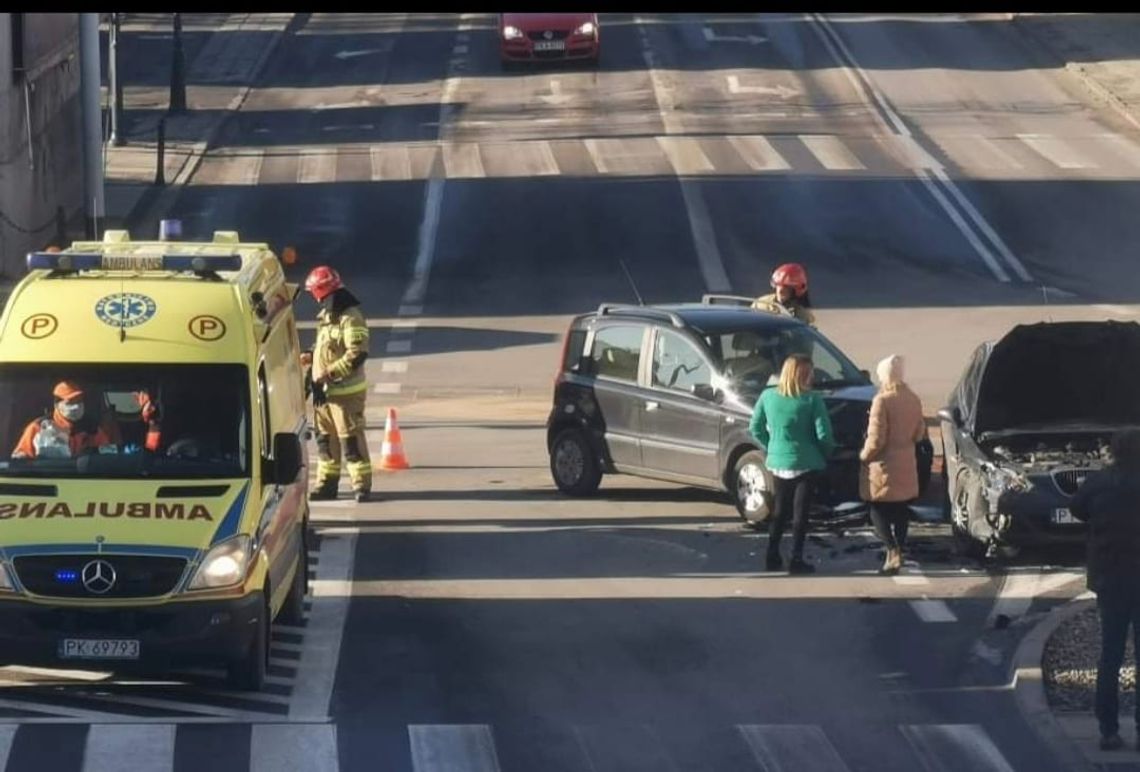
(287, 458)
(951, 414)
(706, 392)
(866, 374)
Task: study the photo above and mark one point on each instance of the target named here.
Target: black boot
(363, 496)
(325, 492)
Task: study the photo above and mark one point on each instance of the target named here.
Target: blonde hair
(794, 375)
(890, 371)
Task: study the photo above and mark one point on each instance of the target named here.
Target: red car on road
(540, 36)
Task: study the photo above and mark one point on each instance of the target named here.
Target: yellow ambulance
(153, 474)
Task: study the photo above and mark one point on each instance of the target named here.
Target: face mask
(71, 411)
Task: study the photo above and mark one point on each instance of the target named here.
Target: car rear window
(616, 352)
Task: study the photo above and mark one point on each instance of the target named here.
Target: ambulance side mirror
(287, 458)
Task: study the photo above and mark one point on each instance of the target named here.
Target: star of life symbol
(98, 577)
(125, 309)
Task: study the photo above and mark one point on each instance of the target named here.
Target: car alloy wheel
(574, 469)
(753, 492)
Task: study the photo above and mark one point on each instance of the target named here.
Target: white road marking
(912, 580)
(1056, 151)
(316, 670)
(1018, 591)
(149, 747)
(993, 155)
(399, 346)
(390, 163)
(831, 152)
(462, 160)
(417, 289)
(983, 251)
(555, 97)
(452, 748)
(7, 735)
(685, 154)
(459, 50)
(954, 747)
(317, 168)
(779, 90)
(758, 153)
(293, 748)
(700, 223)
(1126, 147)
(933, 610)
(394, 366)
(405, 326)
(386, 388)
(791, 748)
(712, 37)
(519, 159)
(893, 122)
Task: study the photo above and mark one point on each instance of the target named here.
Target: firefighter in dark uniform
(339, 386)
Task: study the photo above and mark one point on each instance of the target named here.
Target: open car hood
(1057, 373)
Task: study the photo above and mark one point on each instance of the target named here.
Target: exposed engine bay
(1040, 454)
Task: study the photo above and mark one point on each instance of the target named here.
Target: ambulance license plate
(99, 648)
(550, 45)
(1062, 516)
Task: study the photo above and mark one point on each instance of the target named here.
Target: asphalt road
(939, 185)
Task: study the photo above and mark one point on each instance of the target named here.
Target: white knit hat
(890, 369)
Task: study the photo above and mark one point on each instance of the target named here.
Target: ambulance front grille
(87, 576)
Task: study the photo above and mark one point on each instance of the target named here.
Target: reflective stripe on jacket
(340, 351)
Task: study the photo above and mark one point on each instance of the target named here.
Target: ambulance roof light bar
(72, 262)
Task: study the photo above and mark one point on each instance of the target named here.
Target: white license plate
(99, 648)
(1062, 515)
(550, 45)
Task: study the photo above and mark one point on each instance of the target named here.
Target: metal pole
(160, 167)
(92, 121)
(178, 70)
(116, 85)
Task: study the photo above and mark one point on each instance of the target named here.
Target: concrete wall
(39, 176)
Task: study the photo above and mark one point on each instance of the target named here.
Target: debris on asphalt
(1069, 666)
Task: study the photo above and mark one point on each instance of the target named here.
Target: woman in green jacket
(791, 423)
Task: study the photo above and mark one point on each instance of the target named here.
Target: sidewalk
(224, 54)
(1102, 50)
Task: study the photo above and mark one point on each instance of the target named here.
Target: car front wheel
(573, 465)
(752, 488)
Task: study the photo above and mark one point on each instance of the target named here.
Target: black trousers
(792, 500)
(1119, 611)
(891, 520)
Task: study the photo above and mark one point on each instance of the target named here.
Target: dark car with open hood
(1030, 418)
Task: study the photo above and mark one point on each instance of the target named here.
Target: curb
(1091, 84)
(155, 200)
(1029, 686)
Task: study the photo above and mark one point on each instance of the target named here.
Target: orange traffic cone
(392, 451)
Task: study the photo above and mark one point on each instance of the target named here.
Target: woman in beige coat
(889, 473)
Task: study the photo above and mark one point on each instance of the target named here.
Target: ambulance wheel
(293, 612)
(248, 673)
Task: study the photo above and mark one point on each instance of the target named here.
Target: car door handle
(651, 405)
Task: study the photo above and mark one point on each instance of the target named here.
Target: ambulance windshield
(124, 421)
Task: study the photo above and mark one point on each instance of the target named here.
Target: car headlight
(586, 29)
(511, 33)
(999, 479)
(224, 565)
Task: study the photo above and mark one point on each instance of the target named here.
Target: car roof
(699, 317)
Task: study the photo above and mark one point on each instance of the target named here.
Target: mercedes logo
(98, 577)
(548, 34)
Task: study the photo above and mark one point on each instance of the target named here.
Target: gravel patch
(1069, 665)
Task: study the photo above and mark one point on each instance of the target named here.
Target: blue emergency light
(94, 261)
(67, 576)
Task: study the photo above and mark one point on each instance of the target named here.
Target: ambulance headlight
(224, 565)
(5, 580)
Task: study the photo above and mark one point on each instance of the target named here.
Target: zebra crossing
(666, 155)
(316, 747)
